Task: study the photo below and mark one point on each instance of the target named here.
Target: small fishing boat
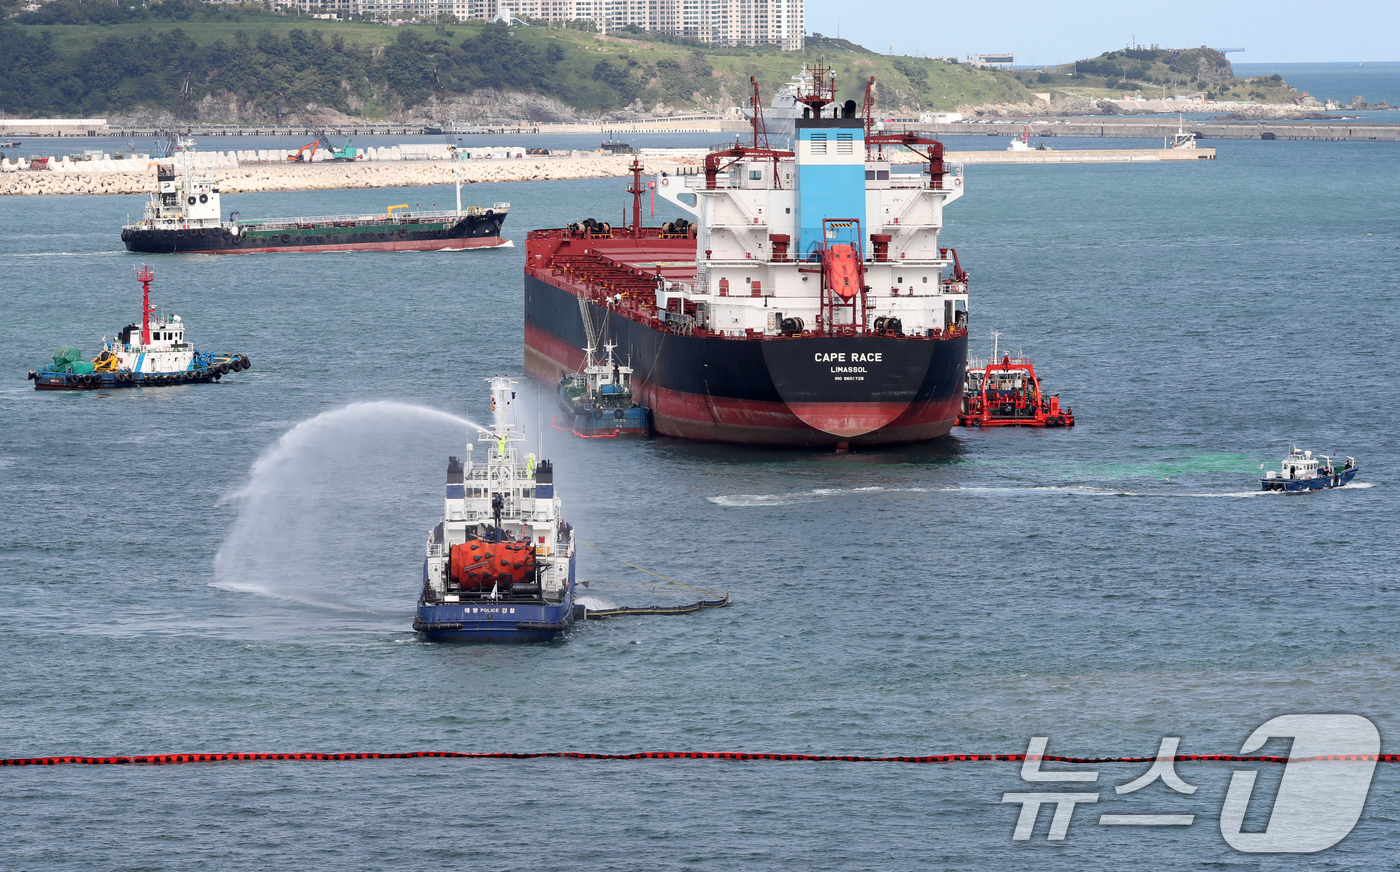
(500, 563)
(1303, 470)
(1007, 393)
(599, 401)
(156, 353)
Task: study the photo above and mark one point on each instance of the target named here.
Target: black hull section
(472, 231)
(883, 389)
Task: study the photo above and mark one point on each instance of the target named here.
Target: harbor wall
(1160, 128)
(138, 176)
(1097, 155)
(250, 178)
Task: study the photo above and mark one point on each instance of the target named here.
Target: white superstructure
(167, 350)
(763, 217)
(186, 197)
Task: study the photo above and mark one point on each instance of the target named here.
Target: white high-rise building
(722, 22)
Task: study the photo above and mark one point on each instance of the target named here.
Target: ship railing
(912, 181)
(356, 220)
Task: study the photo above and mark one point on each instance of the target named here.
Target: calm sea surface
(233, 567)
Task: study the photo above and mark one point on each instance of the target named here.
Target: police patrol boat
(1303, 470)
(154, 354)
(500, 563)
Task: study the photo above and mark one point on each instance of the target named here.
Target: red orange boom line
(176, 759)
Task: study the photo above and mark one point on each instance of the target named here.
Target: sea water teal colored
(233, 567)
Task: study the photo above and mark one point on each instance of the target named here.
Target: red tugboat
(807, 304)
(1008, 394)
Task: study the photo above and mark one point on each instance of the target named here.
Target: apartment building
(722, 22)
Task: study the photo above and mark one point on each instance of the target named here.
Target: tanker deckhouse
(807, 304)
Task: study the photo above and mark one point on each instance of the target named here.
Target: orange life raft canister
(482, 565)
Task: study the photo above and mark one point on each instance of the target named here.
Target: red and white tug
(154, 353)
(1007, 393)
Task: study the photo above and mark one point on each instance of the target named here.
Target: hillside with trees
(231, 62)
(1158, 72)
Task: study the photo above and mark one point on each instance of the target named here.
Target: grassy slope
(1153, 75)
(911, 83)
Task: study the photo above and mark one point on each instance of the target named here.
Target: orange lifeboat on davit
(479, 565)
(842, 271)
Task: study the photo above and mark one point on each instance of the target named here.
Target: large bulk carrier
(808, 304)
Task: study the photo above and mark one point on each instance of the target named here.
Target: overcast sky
(1282, 31)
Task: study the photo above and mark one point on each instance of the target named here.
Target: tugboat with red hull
(807, 305)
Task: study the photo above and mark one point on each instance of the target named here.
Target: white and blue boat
(500, 563)
(1302, 470)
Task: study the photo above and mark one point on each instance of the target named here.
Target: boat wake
(787, 499)
(334, 513)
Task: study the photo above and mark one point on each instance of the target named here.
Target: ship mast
(635, 189)
(760, 130)
(144, 276)
(457, 168)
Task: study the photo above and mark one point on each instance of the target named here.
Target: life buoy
(665, 181)
(957, 183)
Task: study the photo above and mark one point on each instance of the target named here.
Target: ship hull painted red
(783, 392)
(417, 245)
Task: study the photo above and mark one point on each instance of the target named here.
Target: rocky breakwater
(129, 178)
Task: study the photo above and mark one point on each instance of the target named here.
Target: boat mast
(457, 168)
(635, 189)
(144, 276)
